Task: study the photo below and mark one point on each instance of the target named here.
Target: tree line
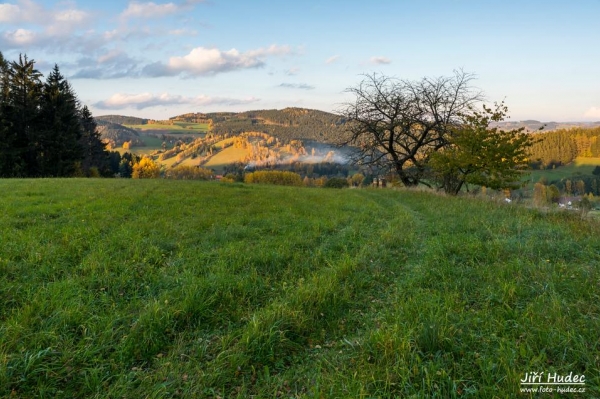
(44, 129)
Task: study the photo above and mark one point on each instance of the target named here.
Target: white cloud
(44, 25)
(9, 12)
(592, 112)
(380, 60)
(23, 11)
(32, 12)
(210, 61)
(332, 59)
(292, 71)
(149, 10)
(20, 37)
(148, 100)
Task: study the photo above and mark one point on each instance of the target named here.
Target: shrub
(281, 178)
(336, 182)
(187, 172)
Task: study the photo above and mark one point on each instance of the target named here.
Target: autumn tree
(479, 154)
(357, 179)
(146, 168)
(188, 172)
(397, 124)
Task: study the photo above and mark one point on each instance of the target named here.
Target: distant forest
(561, 147)
(122, 120)
(287, 124)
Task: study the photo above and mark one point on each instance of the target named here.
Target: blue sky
(163, 58)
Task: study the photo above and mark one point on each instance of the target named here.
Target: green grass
(165, 289)
(581, 166)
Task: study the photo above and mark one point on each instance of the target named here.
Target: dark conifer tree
(59, 148)
(22, 116)
(7, 137)
(94, 149)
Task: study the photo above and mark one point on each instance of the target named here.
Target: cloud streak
(148, 100)
(139, 9)
(332, 59)
(302, 86)
(149, 10)
(380, 60)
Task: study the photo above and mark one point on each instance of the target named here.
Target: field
(175, 128)
(225, 157)
(164, 289)
(581, 166)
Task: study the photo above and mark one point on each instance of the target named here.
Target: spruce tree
(94, 149)
(22, 116)
(6, 133)
(59, 149)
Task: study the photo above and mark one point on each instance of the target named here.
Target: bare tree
(396, 124)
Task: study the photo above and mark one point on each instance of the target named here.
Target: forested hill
(287, 124)
(121, 120)
(116, 134)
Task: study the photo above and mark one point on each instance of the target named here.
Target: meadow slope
(158, 289)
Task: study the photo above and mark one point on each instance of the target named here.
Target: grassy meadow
(164, 289)
(178, 127)
(581, 166)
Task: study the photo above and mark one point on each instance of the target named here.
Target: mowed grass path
(160, 289)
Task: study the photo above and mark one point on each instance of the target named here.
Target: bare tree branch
(396, 124)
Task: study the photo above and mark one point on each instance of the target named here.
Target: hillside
(286, 124)
(265, 138)
(116, 134)
(157, 288)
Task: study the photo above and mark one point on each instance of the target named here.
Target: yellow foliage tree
(146, 168)
(188, 172)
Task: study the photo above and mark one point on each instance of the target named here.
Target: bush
(336, 182)
(281, 178)
(187, 172)
(146, 168)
